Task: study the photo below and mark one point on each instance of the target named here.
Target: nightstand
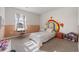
(59, 35)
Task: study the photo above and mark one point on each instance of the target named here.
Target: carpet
(60, 45)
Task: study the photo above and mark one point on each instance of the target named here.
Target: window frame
(18, 18)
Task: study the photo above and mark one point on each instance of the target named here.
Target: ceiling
(38, 10)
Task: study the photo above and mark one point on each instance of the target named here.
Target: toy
(71, 36)
(3, 44)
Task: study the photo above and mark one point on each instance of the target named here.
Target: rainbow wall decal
(54, 25)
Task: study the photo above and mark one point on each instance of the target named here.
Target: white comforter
(41, 37)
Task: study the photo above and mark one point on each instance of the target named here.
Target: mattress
(41, 37)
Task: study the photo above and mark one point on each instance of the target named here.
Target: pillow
(49, 30)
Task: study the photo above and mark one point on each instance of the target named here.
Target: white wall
(66, 15)
(78, 26)
(78, 16)
(2, 13)
(31, 18)
(8, 18)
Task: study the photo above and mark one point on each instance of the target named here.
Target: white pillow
(49, 30)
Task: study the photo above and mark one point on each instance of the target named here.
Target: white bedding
(41, 37)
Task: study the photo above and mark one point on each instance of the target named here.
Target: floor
(78, 43)
(18, 43)
(53, 45)
(60, 45)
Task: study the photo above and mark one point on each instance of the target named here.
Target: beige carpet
(59, 45)
(18, 43)
(53, 45)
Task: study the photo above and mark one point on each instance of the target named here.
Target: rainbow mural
(54, 25)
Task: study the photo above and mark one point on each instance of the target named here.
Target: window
(20, 22)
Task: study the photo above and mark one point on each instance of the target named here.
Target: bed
(50, 30)
(41, 37)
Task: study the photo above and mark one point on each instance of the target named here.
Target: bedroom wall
(78, 16)
(2, 13)
(66, 15)
(78, 27)
(31, 20)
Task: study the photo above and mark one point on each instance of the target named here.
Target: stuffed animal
(3, 44)
(71, 36)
